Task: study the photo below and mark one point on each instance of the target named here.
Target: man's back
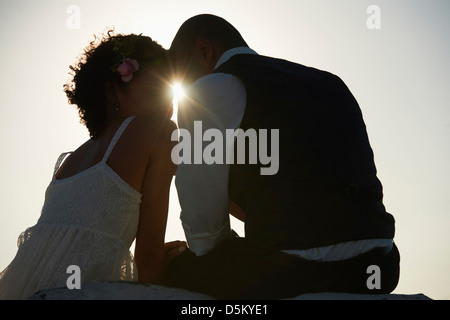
(326, 190)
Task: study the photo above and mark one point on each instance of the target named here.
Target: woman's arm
(150, 250)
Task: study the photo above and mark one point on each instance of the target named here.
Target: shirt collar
(232, 52)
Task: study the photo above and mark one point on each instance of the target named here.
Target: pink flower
(127, 68)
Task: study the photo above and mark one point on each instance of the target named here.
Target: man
(315, 223)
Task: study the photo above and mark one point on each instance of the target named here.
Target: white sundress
(88, 220)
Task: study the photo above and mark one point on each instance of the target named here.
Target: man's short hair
(211, 27)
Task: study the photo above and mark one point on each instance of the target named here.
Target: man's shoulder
(215, 87)
(211, 81)
(246, 63)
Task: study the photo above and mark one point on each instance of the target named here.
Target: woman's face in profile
(148, 93)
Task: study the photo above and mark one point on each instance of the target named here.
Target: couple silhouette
(316, 224)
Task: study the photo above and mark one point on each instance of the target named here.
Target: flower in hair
(123, 49)
(127, 68)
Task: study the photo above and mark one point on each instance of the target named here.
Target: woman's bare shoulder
(153, 131)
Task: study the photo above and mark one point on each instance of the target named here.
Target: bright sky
(398, 73)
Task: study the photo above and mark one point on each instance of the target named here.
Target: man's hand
(174, 249)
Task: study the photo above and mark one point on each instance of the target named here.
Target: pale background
(399, 75)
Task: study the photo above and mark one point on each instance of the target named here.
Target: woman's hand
(237, 212)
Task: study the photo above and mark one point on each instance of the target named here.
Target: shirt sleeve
(216, 101)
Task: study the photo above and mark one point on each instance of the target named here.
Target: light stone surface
(141, 291)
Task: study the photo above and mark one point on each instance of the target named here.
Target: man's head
(199, 43)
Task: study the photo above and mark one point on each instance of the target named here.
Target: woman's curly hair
(97, 66)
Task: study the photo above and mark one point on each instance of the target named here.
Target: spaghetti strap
(116, 137)
(113, 142)
(60, 161)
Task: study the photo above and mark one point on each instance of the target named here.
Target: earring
(116, 106)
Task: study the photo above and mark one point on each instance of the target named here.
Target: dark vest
(326, 190)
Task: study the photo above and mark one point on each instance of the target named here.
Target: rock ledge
(140, 291)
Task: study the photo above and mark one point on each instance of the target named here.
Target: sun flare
(177, 93)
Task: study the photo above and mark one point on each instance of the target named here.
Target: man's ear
(204, 50)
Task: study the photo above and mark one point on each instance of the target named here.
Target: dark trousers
(234, 272)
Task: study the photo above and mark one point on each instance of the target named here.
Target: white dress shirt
(218, 100)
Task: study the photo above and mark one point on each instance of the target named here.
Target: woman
(115, 187)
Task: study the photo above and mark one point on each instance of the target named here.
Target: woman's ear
(113, 95)
(113, 92)
(110, 92)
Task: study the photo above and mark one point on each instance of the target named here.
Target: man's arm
(218, 101)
